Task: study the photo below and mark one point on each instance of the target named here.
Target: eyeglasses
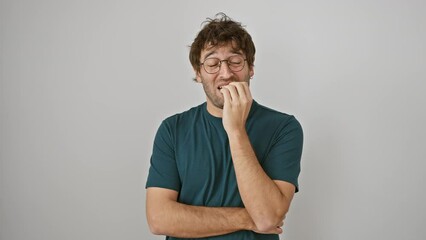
(235, 64)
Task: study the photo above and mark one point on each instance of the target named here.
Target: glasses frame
(220, 64)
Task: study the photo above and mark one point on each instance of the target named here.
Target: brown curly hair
(221, 30)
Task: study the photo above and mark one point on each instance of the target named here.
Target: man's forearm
(179, 220)
(261, 196)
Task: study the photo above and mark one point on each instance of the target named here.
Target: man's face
(213, 82)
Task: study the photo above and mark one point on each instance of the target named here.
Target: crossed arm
(168, 217)
(266, 201)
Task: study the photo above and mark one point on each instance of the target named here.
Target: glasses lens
(212, 65)
(236, 63)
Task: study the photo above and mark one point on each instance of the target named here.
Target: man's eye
(212, 64)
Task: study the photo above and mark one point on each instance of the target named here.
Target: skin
(266, 201)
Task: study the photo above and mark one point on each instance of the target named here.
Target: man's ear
(197, 76)
(251, 71)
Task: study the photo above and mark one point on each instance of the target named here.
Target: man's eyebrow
(239, 52)
(209, 54)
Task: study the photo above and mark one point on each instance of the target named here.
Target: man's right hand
(277, 230)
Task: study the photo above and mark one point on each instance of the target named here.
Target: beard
(214, 95)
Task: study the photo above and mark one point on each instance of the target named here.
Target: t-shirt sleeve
(163, 171)
(283, 160)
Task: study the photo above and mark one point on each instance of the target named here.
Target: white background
(85, 84)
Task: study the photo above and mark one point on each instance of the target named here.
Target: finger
(233, 92)
(226, 96)
(241, 91)
(247, 90)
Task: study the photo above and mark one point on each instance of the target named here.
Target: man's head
(223, 52)
(219, 31)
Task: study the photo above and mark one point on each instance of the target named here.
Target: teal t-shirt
(191, 155)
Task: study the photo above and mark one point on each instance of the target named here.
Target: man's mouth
(220, 87)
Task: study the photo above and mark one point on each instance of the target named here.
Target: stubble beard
(214, 95)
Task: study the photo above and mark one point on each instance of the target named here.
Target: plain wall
(85, 84)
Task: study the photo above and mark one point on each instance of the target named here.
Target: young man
(228, 168)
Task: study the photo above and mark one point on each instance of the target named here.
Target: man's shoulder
(267, 117)
(263, 111)
(186, 115)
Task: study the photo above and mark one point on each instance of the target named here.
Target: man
(228, 168)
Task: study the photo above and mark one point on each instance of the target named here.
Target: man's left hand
(236, 107)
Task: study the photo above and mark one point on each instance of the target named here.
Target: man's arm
(168, 217)
(266, 201)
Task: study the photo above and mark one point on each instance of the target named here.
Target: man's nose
(224, 71)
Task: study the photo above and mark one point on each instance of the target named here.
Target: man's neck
(213, 110)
